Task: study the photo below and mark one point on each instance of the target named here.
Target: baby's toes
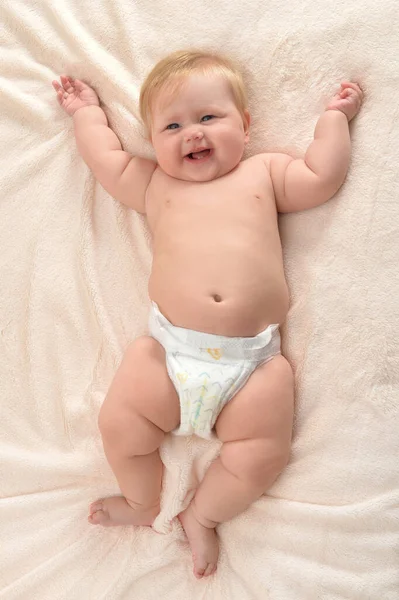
(203, 569)
(211, 568)
(98, 516)
(199, 572)
(95, 506)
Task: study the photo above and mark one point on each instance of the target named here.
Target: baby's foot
(203, 543)
(117, 511)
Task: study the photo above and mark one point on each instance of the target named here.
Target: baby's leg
(140, 407)
(256, 427)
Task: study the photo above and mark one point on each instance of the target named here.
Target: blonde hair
(170, 72)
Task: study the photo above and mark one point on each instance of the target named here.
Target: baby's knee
(129, 434)
(267, 461)
(257, 461)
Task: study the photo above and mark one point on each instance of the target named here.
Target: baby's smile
(199, 156)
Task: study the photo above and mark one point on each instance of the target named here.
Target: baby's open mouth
(199, 155)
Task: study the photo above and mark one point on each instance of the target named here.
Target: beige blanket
(74, 270)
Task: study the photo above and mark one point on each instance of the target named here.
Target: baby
(212, 361)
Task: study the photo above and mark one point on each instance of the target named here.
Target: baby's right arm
(122, 175)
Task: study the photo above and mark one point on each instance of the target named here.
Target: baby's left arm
(300, 184)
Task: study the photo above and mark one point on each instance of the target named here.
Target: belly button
(217, 298)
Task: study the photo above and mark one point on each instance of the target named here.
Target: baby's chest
(247, 194)
(239, 187)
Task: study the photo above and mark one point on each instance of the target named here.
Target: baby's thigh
(263, 408)
(142, 389)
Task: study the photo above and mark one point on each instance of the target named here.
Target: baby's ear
(247, 122)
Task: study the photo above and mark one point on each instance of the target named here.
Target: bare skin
(217, 268)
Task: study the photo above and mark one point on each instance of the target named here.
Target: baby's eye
(207, 117)
(172, 126)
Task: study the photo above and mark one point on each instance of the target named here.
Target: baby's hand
(74, 94)
(348, 100)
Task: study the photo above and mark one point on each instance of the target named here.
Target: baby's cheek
(163, 152)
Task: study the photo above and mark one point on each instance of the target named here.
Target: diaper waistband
(212, 347)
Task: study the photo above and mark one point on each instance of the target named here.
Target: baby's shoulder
(258, 162)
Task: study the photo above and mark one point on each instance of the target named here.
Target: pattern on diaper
(203, 395)
(182, 377)
(216, 353)
(199, 402)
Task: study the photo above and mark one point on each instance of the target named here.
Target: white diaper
(208, 370)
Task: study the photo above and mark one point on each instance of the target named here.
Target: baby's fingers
(353, 96)
(64, 89)
(353, 86)
(60, 97)
(67, 83)
(346, 92)
(80, 85)
(59, 90)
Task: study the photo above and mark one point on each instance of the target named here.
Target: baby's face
(201, 118)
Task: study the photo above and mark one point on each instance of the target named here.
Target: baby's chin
(200, 175)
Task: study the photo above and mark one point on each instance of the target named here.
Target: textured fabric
(208, 370)
(74, 268)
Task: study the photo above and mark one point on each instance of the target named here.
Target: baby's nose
(195, 135)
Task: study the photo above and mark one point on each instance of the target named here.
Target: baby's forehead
(190, 90)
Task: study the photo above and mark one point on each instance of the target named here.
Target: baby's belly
(232, 295)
